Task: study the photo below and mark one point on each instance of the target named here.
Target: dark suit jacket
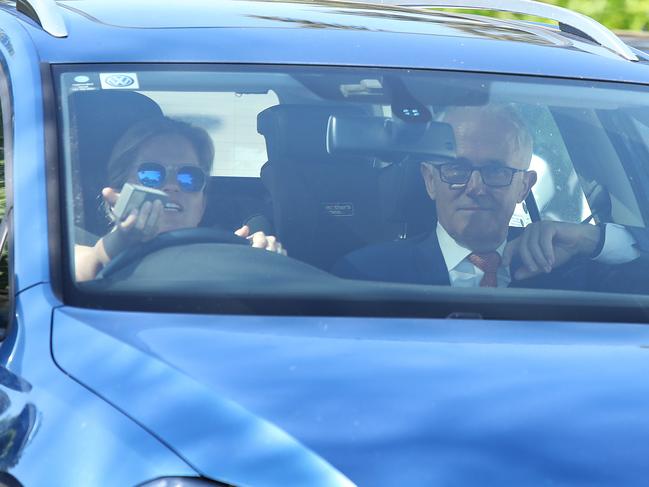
(420, 261)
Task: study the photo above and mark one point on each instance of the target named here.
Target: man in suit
(475, 197)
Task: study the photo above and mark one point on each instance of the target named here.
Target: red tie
(487, 263)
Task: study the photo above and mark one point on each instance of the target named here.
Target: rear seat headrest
(298, 131)
(100, 119)
(103, 116)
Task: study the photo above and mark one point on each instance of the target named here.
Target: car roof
(319, 32)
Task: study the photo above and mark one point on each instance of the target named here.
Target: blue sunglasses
(190, 179)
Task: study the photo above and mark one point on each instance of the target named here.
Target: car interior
(320, 205)
(325, 190)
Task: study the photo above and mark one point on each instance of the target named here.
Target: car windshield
(197, 183)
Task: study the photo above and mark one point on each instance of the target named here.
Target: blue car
(322, 243)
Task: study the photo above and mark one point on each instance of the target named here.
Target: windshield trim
(374, 299)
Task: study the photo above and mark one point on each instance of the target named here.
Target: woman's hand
(260, 240)
(138, 226)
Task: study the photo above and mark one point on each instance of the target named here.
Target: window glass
(230, 119)
(558, 192)
(4, 255)
(174, 174)
(643, 128)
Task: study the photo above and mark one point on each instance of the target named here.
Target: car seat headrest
(100, 118)
(298, 131)
(103, 116)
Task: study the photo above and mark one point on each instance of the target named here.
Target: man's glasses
(190, 179)
(496, 176)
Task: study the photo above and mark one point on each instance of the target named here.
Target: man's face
(477, 215)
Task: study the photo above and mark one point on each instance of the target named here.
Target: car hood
(334, 401)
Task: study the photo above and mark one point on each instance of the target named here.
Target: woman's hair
(127, 146)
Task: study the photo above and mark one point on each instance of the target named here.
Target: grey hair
(520, 137)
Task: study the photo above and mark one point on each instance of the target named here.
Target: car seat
(236, 201)
(324, 206)
(405, 203)
(99, 119)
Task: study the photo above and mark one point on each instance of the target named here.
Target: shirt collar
(452, 251)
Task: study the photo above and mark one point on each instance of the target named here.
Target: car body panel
(30, 216)
(222, 439)
(353, 38)
(384, 401)
(97, 397)
(54, 421)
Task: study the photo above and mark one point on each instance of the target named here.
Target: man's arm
(641, 237)
(545, 246)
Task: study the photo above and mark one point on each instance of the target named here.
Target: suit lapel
(430, 266)
(514, 232)
(429, 261)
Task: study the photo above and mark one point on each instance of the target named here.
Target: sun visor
(389, 138)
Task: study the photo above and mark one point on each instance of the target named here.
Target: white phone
(134, 196)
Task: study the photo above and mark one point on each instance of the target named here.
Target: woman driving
(174, 157)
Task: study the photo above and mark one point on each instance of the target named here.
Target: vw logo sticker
(119, 81)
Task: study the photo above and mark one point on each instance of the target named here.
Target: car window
(230, 119)
(330, 162)
(642, 126)
(558, 193)
(6, 141)
(4, 253)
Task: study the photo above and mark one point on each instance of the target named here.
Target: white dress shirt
(461, 272)
(619, 247)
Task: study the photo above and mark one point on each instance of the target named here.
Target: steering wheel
(185, 236)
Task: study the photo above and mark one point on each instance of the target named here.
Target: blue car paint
(214, 434)
(392, 43)
(384, 401)
(314, 401)
(77, 437)
(27, 182)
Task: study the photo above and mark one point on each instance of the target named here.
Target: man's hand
(261, 241)
(544, 246)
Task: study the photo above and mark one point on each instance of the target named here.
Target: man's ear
(529, 180)
(429, 178)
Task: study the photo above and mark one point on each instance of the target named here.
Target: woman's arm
(140, 225)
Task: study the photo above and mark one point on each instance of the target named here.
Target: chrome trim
(46, 13)
(589, 27)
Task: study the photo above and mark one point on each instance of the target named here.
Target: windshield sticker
(119, 81)
(83, 82)
(339, 209)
